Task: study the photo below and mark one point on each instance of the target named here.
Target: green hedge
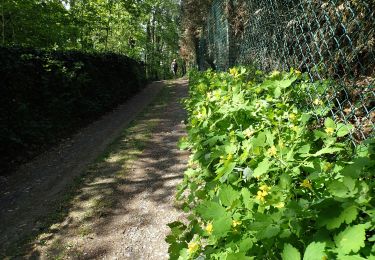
(46, 95)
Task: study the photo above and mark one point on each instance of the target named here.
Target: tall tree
(143, 29)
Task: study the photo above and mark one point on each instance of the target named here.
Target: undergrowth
(270, 177)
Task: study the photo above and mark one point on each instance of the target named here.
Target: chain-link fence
(330, 40)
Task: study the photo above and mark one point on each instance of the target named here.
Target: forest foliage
(145, 30)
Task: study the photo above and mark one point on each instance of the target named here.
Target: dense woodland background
(145, 30)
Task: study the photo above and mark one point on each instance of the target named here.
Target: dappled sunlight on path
(127, 198)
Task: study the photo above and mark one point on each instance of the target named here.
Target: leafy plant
(270, 178)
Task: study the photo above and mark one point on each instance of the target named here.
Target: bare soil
(100, 202)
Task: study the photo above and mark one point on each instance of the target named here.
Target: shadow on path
(127, 197)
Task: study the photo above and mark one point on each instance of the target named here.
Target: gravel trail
(122, 208)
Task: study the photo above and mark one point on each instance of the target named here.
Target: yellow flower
(233, 71)
(264, 187)
(330, 130)
(318, 102)
(261, 195)
(193, 247)
(229, 157)
(272, 151)
(297, 72)
(200, 115)
(221, 159)
(327, 166)
(209, 228)
(236, 223)
(306, 184)
(295, 128)
(275, 73)
(248, 133)
(280, 205)
(292, 116)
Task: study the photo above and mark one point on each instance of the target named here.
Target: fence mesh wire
(331, 40)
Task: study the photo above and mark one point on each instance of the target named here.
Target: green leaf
(343, 129)
(285, 83)
(329, 150)
(228, 195)
(351, 239)
(285, 181)
(269, 137)
(319, 135)
(260, 140)
(247, 198)
(338, 189)
(230, 148)
(177, 228)
(245, 244)
(277, 92)
(222, 226)
(183, 143)
(262, 168)
(344, 188)
(305, 118)
(213, 140)
(223, 171)
(350, 257)
(175, 249)
(349, 182)
(210, 210)
(329, 123)
(262, 221)
(314, 251)
(304, 149)
(238, 256)
(184, 254)
(290, 253)
(355, 169)
(268, 232)
(285, 233)
(348, 215)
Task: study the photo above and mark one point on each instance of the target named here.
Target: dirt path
(126, 199)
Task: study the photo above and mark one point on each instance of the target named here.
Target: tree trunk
(148, 50)
(81, 31)
(3, 22)
(108, 25)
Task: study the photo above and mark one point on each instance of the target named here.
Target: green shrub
(270, 178)
(47, 95)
